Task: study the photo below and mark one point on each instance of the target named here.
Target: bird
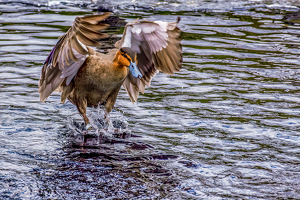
(88, 78)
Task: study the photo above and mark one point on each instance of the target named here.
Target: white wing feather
(157, 45)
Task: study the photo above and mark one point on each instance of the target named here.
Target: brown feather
(71, 53)
(62, 57)
(94, 19)
(77, 46)
(85, 39)
(95, 27)
(66, 92)
(92, 35)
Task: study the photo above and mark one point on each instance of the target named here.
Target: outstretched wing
(158, 47)
(69, 54)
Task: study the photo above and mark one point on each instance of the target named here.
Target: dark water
(225, 127)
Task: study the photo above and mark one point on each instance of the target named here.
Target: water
(225, 127)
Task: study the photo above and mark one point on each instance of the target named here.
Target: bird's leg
(106, 117)
(81, 106)
(88, 126)
(110, 102)
(108, 108)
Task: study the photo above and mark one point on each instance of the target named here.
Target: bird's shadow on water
(111, 164)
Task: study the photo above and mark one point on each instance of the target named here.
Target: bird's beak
(135, 70)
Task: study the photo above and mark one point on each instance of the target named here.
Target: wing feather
(69, 53)
(77, 46)
(85, 39)
(158, 47)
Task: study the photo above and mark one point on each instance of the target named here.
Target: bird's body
(98, 82)
(88, 78)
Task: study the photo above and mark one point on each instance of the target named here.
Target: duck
(88, 78)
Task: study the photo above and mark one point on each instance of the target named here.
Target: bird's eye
(125, 55)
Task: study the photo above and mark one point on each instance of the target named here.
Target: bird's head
(127, 57)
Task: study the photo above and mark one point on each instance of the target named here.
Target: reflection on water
(226, 126)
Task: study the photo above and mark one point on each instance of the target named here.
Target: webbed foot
(88, 127)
